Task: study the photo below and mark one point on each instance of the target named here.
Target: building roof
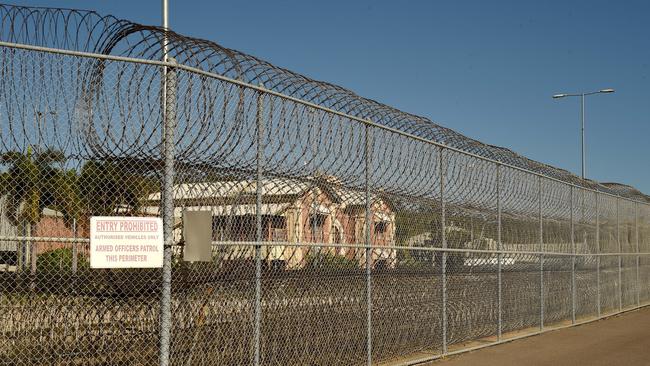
(220, 197)
(234, 188)
(224, 210)
(270, 187)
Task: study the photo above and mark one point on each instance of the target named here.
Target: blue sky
(484, 68)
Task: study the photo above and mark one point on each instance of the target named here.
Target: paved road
(620, 340)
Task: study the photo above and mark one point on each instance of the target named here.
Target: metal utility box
(197, 233)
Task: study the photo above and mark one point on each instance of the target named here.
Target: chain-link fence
(343, 231)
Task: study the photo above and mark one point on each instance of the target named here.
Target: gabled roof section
(273, 189)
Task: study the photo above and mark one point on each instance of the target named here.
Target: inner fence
(336, 239)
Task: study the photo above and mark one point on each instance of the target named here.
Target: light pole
(582, 117)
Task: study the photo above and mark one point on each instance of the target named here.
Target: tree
(115, 186)
(32, 183)
(4, 183)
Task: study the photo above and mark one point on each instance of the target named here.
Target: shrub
(59, 261)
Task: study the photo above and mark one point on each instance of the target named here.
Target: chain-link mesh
(343, 231)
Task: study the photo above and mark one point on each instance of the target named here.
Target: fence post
(443, 264)
(316, 241)
(620, 258)
(75, 247)
(636, 239)
(31, 248)
(169, 125)
(597, 253)
(33, 256)
(499, 255)
(368, 249)
(541, 257)
(573, 262)
(258, 229)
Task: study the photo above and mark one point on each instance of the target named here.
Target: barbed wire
(89, 31)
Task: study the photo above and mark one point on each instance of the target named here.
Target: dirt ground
(619, 340)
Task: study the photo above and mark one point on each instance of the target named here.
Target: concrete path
(619, 340)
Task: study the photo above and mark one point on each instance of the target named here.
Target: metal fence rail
(344, 232)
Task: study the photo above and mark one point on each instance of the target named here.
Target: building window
(381, 229)
(243, 228)
(338, 236)
(317, 228)
(8, 258)
(277, 228)
(233, 228)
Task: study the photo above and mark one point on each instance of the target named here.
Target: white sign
(126, 242)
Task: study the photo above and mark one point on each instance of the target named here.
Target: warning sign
(126, 242)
